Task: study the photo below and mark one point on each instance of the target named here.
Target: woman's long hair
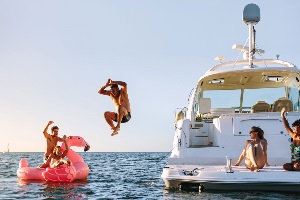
(54, 150)
(260, 132)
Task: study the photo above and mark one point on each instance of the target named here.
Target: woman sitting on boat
(57, 157)
(295, 146)
(255, 150)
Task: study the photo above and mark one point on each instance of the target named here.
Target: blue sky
(55, 55)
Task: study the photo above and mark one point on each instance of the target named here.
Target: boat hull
(272, 178)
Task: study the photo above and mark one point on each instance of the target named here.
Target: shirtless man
(51, 140)
(121, 103)
(56, 158)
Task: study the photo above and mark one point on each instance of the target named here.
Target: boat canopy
(218, 78)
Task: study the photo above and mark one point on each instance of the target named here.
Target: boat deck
(238, 178)
(223, 168)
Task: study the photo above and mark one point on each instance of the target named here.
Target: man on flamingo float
(121, 103)
(51, 140)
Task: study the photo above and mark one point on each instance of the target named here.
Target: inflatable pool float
(64, 173)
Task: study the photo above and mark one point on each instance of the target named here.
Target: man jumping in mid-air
(121, 103)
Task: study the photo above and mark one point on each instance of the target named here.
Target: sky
(55, 55)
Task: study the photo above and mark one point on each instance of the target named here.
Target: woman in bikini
(294, 165)
(255, 150)
(56, 158)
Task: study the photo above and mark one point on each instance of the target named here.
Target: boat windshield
(269, 95)
(231, 98)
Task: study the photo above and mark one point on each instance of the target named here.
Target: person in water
(256, 154)
(56, 158)
(51, 140)
(121, 103)
(294, 165)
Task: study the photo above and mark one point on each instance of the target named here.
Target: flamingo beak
(87, 147)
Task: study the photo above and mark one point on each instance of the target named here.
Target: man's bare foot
(116, 129)
(114, 133)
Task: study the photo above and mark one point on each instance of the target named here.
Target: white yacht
(227, 101)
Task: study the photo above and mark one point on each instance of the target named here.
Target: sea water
(112, 176)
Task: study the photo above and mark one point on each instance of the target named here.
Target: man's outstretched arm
(46, 129)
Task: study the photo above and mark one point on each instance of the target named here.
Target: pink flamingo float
(64, 173)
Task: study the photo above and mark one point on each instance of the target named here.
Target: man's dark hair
(54, 127)
(296, 123)
(114, 86)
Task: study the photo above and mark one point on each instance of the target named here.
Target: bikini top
(255, 145)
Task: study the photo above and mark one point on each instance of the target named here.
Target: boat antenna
(254, 43)
(251, 16)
